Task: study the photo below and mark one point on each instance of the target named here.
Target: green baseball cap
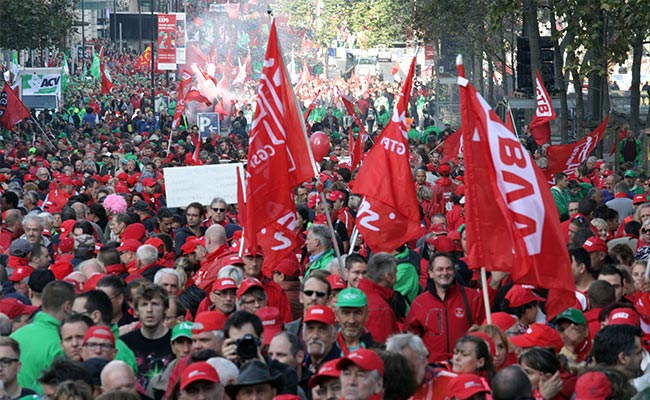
(351, 297)
(184, 329)
(574, 315)
(629, 174)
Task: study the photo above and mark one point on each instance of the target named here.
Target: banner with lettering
(167, 42)
(41, 84)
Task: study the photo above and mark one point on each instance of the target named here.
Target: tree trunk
(580, 103)
(635, 93)
(599, 61)
(490, 82)
(560, 84)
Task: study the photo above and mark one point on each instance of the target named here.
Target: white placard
(184, 185)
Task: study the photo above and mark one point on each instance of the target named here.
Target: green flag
(94, 68)
(65, 74)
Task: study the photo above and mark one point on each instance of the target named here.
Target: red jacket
(441, 323)
(210, 266)
(381, 319)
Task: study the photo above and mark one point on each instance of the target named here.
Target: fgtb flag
(12, 110)
(388, 215)
(511, 219)
(540, 126)
(279, 158)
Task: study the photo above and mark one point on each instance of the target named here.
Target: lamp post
(153, 72)
(83, 37)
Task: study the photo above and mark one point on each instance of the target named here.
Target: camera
(247, 347)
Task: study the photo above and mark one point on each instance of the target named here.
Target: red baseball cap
(66, 226)
(438, 229)
(100, 332)
(443, 244)
(135, 231)
(336, 195)
(595, 243)
(519, 295)
(156, 242)
(66, 245)
(198, 371)
(539, 335)
(21, 273)
(224, 284)
(289, 267)
(246, 285)
(321, 314)
(271, 321)
(326, 371)
(464, 386)
(624, 316)
(129, 245)
(337, 282)
(639, 199)
(365, 359)
(188, 247)
(12, 307)
(61, 268)
(232, 259)
(148, 182)
(503, 320)
(593, 386)
(91, 283)
(208, 321)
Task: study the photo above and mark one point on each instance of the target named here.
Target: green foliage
(33, 24)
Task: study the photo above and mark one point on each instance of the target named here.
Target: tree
(34, 24)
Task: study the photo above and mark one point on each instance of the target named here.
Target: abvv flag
(279, 159)
(540, 126)
(388, 215)
(511, 219)
(12, 110)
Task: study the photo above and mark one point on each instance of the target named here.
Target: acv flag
(279, 159)
(511, 219)
(540, 126)
(388, 215)
(12, 110)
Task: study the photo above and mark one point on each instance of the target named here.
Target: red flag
(241, 203)
(357, 153)
(452, 147)
(311, 107)
(197, 141)
(350, 109)
(511, 219)
(540, 126)
(509, 124)
(195, 95)
(567, 157)
(279, 159)
(388, 215)
(12, 110)
(145, 59)
(186, 79)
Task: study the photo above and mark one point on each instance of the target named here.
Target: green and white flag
(39, 84)
(94, 67)
(65, 74)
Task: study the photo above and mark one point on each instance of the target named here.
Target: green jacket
(561, 200)
(124, 353)
(582, 192)
(407, 282)
(320, 263)
(40, 344)
(638, 146)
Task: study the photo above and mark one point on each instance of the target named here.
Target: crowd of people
(107, 293)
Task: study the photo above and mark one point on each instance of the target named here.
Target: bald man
(218, 252)
(117, 375)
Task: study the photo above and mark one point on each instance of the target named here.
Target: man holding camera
(244, 334)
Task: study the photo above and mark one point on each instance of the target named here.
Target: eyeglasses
(95, 346)
(6, 362)
(218, 209)
(646, 231)
(322, 391)
(310, 293)
(253, 301)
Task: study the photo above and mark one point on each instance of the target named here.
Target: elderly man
(255, 381)
(218, 212)
(319, 247)
(319, 336)
(117, 375)
(200, 381)
(146, 260)
(251, 296)
(326, 384)
(351, 314)
(33, 227)
(362, 375)
(170, 279)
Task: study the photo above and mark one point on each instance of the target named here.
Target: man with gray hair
(218, 212)
(33, 227)
(146, 260)
(378, 287)
(362, 375)
(168, 278)
(621, 202)
(319, 247)
(413, 349)
(30, 202)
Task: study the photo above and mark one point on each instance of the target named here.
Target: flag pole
(512, 118)
(330, 225)
(486, 296)
(47, 140)
(353, 239)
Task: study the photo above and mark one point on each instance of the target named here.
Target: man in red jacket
(445, 312)
(378, 287)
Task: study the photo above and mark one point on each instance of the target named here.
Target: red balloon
(320, 145)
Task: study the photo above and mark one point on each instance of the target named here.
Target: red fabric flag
(12, 110)
(241, 203)
(511, 219)
(107, 85)
(145, 59)
(186, 79)
(197, 141)
(567, 157)
(388, 215)
(509, 124)
(350, 109)
(195, 95)
(279, 159)
(311, 107)
(357, 153)
(452, 147)
(540, 126)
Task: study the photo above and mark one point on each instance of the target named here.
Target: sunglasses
(310, 293)
(646, 231)
(219, 209)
